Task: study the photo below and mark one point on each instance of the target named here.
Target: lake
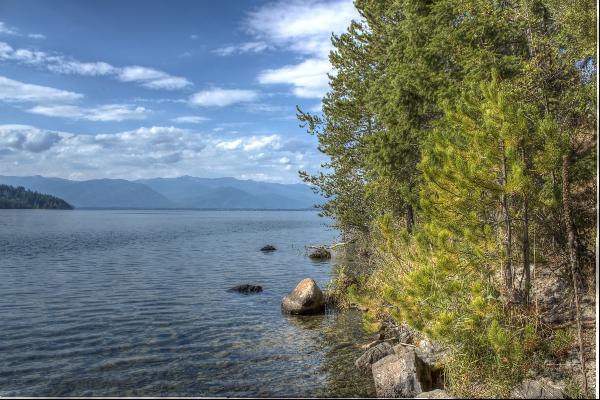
(135, 303)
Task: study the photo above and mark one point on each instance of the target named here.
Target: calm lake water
(106, 303)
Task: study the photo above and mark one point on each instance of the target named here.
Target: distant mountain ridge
(181, 192)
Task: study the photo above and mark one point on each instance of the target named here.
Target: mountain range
(181, 192)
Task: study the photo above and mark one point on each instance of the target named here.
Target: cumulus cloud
(229, 144)
(309, 78)
(16, 91)
(149, 152)
(26, 138)
(304, 27)
(218, 97)
(109, 112)
(147, 77)
(260, 142)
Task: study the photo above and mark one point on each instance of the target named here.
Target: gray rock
(320, 253)
(403, 374)
(305, 299)
(246, 289)
(533, 389)
(405, 334)
(434, 394)
(430, 353)
(373, 355)
(396, 375)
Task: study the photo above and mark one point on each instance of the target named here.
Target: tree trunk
(409, 218)
(526, 266)
(507, 269)
(573, 258)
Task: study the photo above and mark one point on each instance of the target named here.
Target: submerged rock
(320, 253)
(268, 247)
(306, 298)
(372, 355)
(246, 288)
(532, 389)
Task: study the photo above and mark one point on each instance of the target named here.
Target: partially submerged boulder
(246, 288)
(267, 248)
(305, 299)
(403, 374)
(320, 253)
(535, 389)
(372, 355)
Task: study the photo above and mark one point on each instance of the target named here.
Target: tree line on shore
(19, 197)
(461, 144)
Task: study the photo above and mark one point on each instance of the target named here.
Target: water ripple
(121, 303)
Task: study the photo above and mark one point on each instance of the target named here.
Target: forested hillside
(461, 137)
(19, 197)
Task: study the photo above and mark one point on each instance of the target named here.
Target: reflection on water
(107, 303)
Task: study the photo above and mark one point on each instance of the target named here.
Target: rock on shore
(305, 299)
(373, 355)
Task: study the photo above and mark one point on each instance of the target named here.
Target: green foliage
(447, 126)
(19, 197)
(562, 342)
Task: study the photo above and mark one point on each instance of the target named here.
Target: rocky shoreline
(403, 363)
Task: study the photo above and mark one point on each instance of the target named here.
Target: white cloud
(147, 77)
(194, 37)
(109, 112)
(152, 78)
(309, 78)
(230, 144)
(149, 152)
(7, 30)
(190, 119)
(247, 47)
(260, 142)
(16, 91)
(26, 138)
(80, 68)
(218, 97)
(304, 27)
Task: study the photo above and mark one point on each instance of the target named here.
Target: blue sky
(138, 89)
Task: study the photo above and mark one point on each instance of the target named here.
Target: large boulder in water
(246, 289)
(306, 298)
(267, 248)
(320, 253)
